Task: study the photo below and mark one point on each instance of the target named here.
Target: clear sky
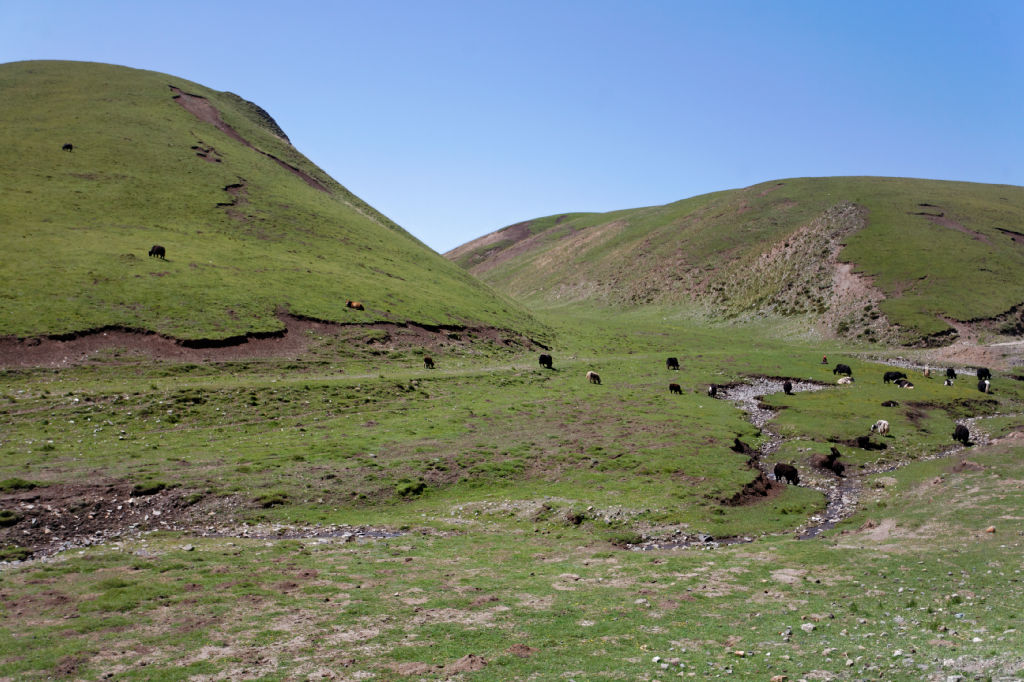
(456, 118)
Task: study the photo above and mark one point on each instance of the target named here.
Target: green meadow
(514, 500)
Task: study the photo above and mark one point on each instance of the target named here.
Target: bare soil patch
(201, 108)
(944, 220)
(293, 341)
(65, 515)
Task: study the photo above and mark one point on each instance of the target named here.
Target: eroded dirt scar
(48, 519)
(51, 518)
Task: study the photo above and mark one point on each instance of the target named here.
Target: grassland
(513, 494)
(245, 235)
(933, 249)
(348, 514)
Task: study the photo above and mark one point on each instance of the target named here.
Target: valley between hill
(215, 464)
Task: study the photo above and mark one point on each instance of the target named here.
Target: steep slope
(877, 258)
(250, 226)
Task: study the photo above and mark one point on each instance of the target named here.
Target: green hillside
(251, 227)
(926, 250)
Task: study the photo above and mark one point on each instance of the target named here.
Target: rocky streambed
(842, 495)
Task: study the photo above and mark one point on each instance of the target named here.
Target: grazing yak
(962, 434)
(593, 377)
(788, 472)
(842, 369)
(787, 387)
(881, 427)
(890, 403)
(546, 361)
(845, 380)
(740, 447)
(889, 377)
(984, 385)
(428, 362)
(950, 373)
(983, 374)
(354, 305)
(903, 383)
(158, 252)
(675, 388)
(672, 363)
(712, 391)
(829, 462)
(68, 147)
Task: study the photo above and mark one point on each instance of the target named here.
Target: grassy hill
(250, 226)
(879, 258)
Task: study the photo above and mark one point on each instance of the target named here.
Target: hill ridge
(248, 224)
(921, 251)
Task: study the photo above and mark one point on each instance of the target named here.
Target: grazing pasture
(437, 523)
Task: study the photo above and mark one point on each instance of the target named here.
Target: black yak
(962, 434)
(788, 472)
(842, 369)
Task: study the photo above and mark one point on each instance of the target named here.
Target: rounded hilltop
(141, 202)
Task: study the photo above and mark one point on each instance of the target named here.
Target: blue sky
(456, 118)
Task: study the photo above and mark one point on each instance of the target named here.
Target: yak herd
(829, 462)
(782, 471)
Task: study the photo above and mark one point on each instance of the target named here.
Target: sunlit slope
(926, 249)
(250, 226)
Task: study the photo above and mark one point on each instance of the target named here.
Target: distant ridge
(893, 259)
(99, 162)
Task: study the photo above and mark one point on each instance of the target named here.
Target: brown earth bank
(51, 518)
(43, 519)
(298, 335)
